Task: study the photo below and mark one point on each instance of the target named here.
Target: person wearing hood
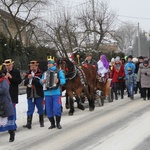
(131, 65)
(117, 76)
(53, 94)
(144, 78)
(103, 66)
(140, 60)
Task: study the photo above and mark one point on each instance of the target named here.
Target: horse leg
(71, 102)
(67, 101)
(79, 105)
(91, 100)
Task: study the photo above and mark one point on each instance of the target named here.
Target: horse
(79, 79)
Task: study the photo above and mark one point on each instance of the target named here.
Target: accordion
(50, 77)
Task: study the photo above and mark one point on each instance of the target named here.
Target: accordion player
(50, 77)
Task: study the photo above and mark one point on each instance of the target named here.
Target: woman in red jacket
(117, 76)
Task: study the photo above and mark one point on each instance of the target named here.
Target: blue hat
(50, 62)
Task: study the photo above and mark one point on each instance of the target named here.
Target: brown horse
(79, 79)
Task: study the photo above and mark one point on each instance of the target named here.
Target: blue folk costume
(35, 95)
(53, 97)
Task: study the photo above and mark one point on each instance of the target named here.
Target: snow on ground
(22, 107)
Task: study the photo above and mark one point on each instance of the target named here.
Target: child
(130, 82)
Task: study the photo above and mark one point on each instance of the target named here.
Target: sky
(135, 11)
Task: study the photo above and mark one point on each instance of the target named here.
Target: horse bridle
(74, 72)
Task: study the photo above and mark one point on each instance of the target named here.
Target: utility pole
(94, 25)
(139, 41)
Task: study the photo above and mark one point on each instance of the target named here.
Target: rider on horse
(103, 67)
(90, 60)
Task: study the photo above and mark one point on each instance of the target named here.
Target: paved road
(120, 125)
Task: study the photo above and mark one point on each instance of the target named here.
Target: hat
(88, 54)
(145, 62)
(129, 69)
(123, 59)
(50, 60)
(34, 62)
(117, 58)
(130, 56)
(140, 57)
(135, 60)
(113, 60)
(8, 62)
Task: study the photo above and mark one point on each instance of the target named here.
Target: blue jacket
(129, 65)
(62, 81)
(131, 79)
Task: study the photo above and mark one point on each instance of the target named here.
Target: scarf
(2, 78)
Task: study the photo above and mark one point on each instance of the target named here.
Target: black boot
(58, 118)
(52, 121)
(12, 135)
(41, 120)
(29, 122)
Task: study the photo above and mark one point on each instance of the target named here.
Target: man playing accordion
(53, 93)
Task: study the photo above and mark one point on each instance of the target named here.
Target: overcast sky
(128, 10)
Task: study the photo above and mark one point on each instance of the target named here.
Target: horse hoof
(81, 107)
(70, 114)
(67, 106)
(91, 109)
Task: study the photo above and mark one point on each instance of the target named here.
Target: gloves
(146, 74)
(32, 73)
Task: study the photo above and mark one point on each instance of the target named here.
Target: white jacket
(101, 69)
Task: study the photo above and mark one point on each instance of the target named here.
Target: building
(7, 26)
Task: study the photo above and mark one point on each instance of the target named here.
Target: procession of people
(131, 75)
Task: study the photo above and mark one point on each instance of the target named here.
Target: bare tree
(104, 22)
(125, 35)
(24, 8)
(61, 33)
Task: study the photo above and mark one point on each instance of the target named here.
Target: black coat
(37, 89)
(92, 62)
(14, 82)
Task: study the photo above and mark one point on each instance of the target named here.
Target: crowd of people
(130, 74)
(34, 81)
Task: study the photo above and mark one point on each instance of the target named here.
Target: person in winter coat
(53, 94)
(90, 60)
(13, 76)
(129, 64)
(117, 76)
(103, 66)
(35, 93)
(7, 120)
(144, 78)
(130, 79)
(140, 60)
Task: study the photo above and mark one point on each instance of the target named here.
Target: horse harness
(77, 71)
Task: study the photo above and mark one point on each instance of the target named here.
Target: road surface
(120, 125)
